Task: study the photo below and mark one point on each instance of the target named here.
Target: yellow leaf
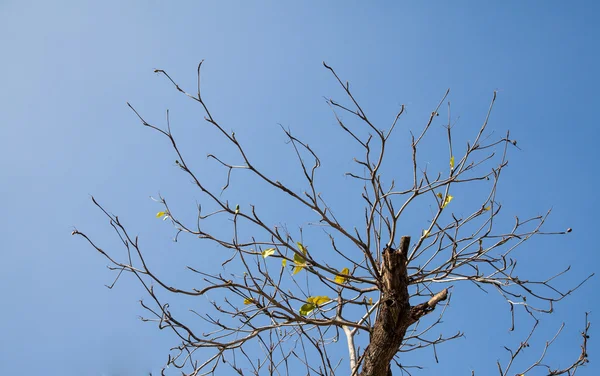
(307, 308)
(237, 209)
(340, 279)
(297, 258)
(487, 208)
(301, 247)
(425, 233)
(299, 261)
(370, 301)
(268, 252)
(446, 201)
(248, 301)
(452, 162)
(318, 300)
(161, 214)
(283, 262)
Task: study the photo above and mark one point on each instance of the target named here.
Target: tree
(278, 303)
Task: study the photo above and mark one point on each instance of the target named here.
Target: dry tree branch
(267, 316)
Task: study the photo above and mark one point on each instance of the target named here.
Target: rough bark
(395, 313)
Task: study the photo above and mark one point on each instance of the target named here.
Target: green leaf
(341, 279)
(307, 308)
(452, 162)
(268, 252)
(237, 209)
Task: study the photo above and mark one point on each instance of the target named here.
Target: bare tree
(277, 306)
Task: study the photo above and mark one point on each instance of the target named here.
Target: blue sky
(69, 67)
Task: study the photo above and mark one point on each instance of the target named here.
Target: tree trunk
(394, 313)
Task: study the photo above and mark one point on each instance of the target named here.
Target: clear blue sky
(69, 67)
